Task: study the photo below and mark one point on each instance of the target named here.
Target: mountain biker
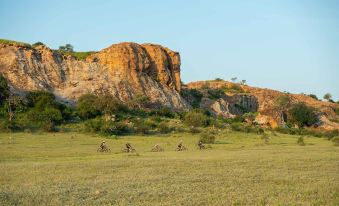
(128, 147)
(103, 145)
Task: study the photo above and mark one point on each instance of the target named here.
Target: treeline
(107, 115)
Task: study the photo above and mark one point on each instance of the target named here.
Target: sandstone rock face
(263, 101)
(124, 70)
(230, 106)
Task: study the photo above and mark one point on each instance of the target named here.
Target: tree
(243, 82)
(313, 96)
(196, 119)
(12, 105)
(328, 96)
(303, 115)
(38, 44)
(67, 48)
(86, 106)
(234, 79)
(218, 79)
(4, 89)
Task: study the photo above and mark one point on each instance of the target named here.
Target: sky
(288, 45)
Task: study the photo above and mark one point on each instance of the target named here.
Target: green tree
(108, 104)
(328, 96)
(313, 96)
(38, 44)
(302, 115)
(196, 119)
(234, 79)
(86, 106)
(40, 99)
(67, 48)
(4, 89)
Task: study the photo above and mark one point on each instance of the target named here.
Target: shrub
(108, 104)
(303, 115)
(313, 96)
(163, 112)
(234, 88)
(208, 136)
(8, 126)
(40, 99)
(300, 141)
(196, 119)
(237, 126)
(215, 93)
(164, 128)
(38, 44)
(266, 138)
(142, 127)
(86, 106)
(194, 130)
(335, 141)
(260, 131)
(94, 125)
(193, 96)
(4, 89)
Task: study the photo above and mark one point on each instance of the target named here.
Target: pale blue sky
(290, 45)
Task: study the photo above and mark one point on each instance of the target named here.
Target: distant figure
(103, 145)
(181, 147)
(129, 148)
(201, 145)
(157, 148)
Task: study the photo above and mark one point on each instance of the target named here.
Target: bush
(240, 127)
(38, 44)
(40, 99)
(163, 112)
(266, 138)
(8, 126)
(142, 127)
(164, 128)
(335, 141)
(86, 106)
(107, 128)
(108, 104)
(208, 136)
(303, 115)
(4, 89)
(196, 119)
(313, 96)
(215, 93)
(300, 141)
(193, 96)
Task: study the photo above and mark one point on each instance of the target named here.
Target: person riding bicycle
(129, 147)
(103, 145)
(201, 145)
(180, 145)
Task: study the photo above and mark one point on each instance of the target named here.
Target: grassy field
(65, 169)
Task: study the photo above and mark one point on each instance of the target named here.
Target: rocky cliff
(124, 70)
(235, 99)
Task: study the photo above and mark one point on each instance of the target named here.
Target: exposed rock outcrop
(236, 98)
(124, 70)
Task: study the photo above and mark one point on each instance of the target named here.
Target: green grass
(65, 169)
(6, 41)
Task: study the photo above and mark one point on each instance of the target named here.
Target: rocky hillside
(229, 99)
(124, 70)
(128, 70)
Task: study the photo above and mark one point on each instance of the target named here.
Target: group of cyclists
(128, 147)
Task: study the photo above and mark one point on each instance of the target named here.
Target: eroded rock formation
(238, 98)
(124, 70)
